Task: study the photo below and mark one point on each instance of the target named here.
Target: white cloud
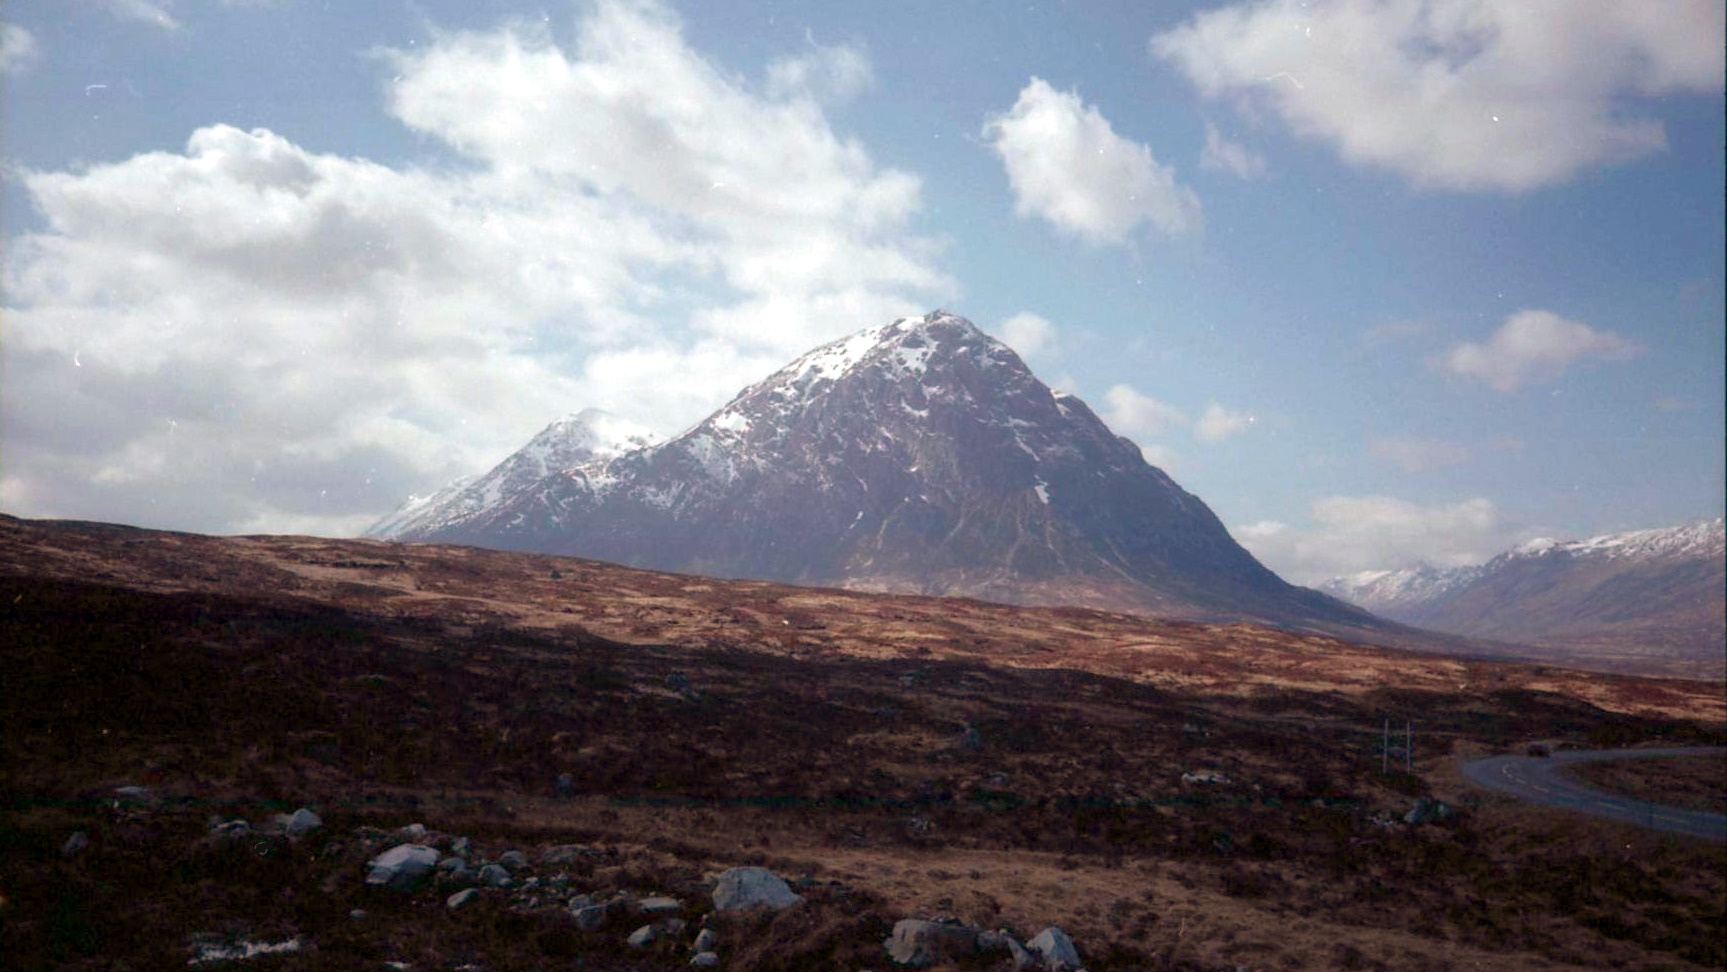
(1347, 534)
(18, 50)
(1223, 155)
(1217, 423)
(1139, 416)
(1533, 347)
(1459, 94)
(1413, 454)
(1067, 165)
(157, 12)
(839, 71)
(250, 335)
(1028, 334)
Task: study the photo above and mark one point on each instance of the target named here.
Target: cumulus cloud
(18, 51)
(1458, 94)
(246, 334)
(1217, 423)
(1139, 416)
(1347, 534)
(1028, 334)
(1224, 155)
(1413, 454)
(1066, 164)
(1533, 347)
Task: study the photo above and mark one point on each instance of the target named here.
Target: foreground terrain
(1172, 795)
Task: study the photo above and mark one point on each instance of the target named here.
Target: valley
(1173, 795)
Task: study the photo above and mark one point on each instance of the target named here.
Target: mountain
(1647, 594)
(588, 436)
(919, 456)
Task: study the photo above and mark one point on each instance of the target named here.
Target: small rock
(75, 843)
(1056, 949)
(461, 898)
(496, 876)
(1204, 776)
(643, 936)
(590, 917)
(565, 785)
(402, 867)
(706, 941)
(748, 887)
(561, 855)
(515, 860)
(459, 846)
(705, 960)
(673, 927)
(658, 906)
(357, 914)
(302, 822)
(412, 833)
(919, 943)
(135, 795)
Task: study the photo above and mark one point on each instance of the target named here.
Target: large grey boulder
(919, 943)
(1056, 949)
(742, 888)
(402, 867)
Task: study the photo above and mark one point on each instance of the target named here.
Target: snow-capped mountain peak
(590, 437)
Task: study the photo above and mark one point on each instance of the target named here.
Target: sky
(1381, 281)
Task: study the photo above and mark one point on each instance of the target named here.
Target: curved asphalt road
(1537, 779)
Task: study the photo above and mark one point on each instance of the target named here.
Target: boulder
(706, 941)
(1427, 811)
(75, 843)
(300, 823)
(561, 855)
(1003, 941)
(591, 917)
(643, 936)
(1056, 949)
(402, 867)
(658, 907)
(413, 833)
(921, 943)
(705, 960)
(496, 876)
(453, 872)
(515, 860)
(459, 846)
(742, 888)
(461, 898)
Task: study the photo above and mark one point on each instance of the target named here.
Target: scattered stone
(1056, 949)
(515, 860)
(413, 833)
(402, 867)
(496, 876)
(590, 917)
(748, 887)
(919, 943)
(459, 846)
(207, 947)
(705, 960)
(659, 906)
(1204, 776)
(135, 795)
(1002, 940)
(357, 914)
(706, 941)
(230, 831)
(300, 823)
(673, 927)
(643, 936)
(562, 854)
(461, 898)
(1427, 811)
(75, 843)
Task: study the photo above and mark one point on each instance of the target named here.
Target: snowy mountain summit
(917, 456)
(1652, 596)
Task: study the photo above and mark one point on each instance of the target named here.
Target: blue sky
(1380, 280)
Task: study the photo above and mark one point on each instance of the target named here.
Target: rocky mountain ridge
(1642, 592)
(918, 456)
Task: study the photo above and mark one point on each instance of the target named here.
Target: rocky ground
(940, 781)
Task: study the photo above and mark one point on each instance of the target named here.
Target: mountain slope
(918, 456)
(1644, 593)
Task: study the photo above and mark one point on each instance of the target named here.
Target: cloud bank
(1458, 94)
(248, 335)
(1533, 347)
(1347, 534)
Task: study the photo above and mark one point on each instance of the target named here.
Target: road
(1537, 779)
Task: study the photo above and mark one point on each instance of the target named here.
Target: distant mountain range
(1641, 595)
(918, 456)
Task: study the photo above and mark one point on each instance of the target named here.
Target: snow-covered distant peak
(1382, 590)
(1702, 538)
